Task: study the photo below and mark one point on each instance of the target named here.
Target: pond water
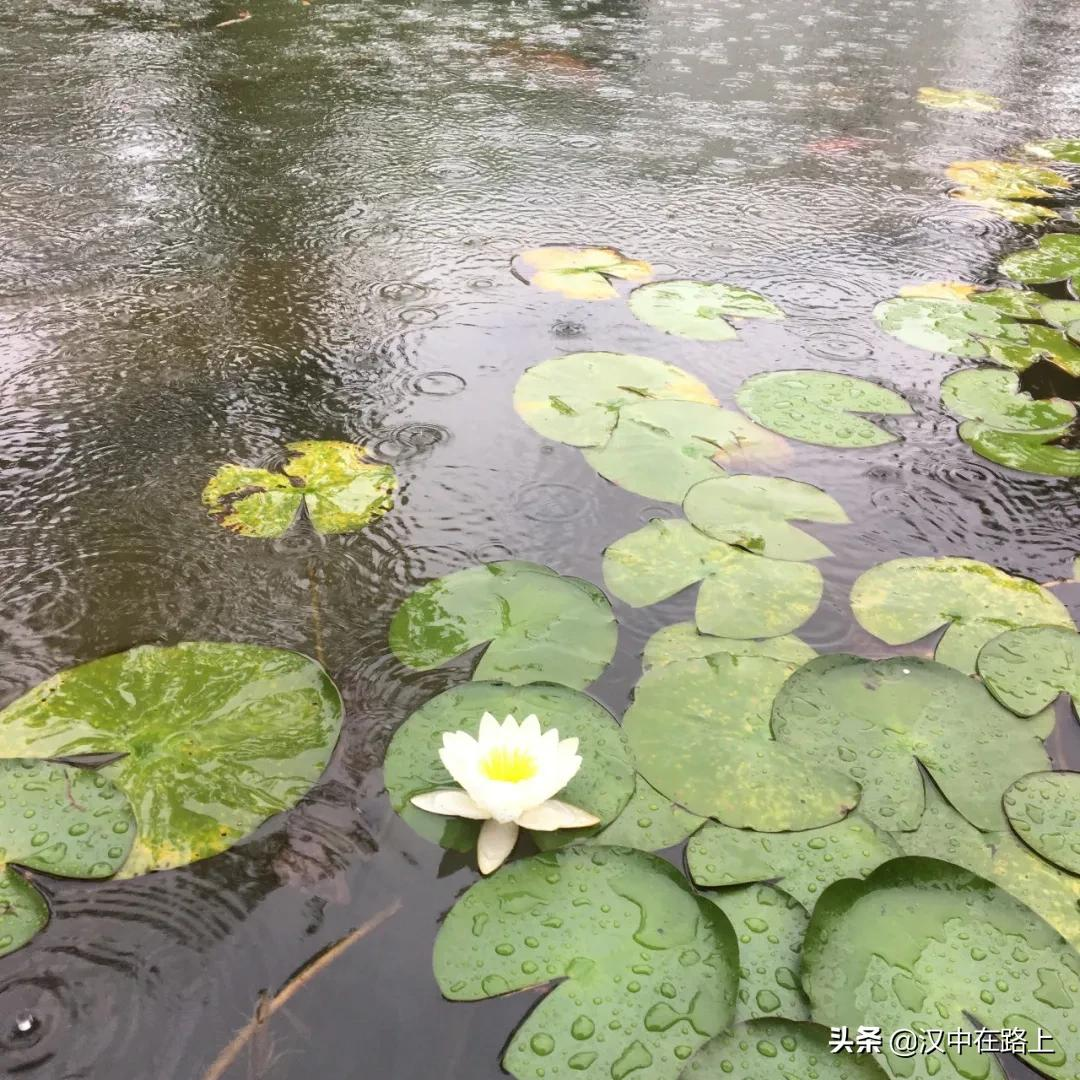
(218, 240)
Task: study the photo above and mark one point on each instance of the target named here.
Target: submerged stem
(316, 613)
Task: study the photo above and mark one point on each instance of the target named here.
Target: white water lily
(508, 775)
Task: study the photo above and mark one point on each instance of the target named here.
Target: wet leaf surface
(1006, 179)
(1056, 149)
(699, 310)
(579, 273)
(965, 100)
(1027, 669)
(683, 641)
(958, 327)
(1055, 257)
(1018, 450)
(1014, 210)
(995, 399)
(1044, 811)
(648, 822)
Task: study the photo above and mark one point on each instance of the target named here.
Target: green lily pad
(603, 785)
(341, 491)
(649, 971)
(803, 864)
(1056, 149)
(966, 100)
(578, 273)
(995, 398)
(1027, 669)
(1014, 210)
(1018, 303)
(905, 599)
(753, 512)
(699, 731)
(699, 310)
(770, 927)
(1019, 450)
(820, 407)
(216, 738)
(776, 1049)
(576, 398)
(1055, 257)
(742, 595)
(1007, 179)
(63, 821)
(876, 720)
(648, 822)
(683, 641)
(541, 627)
(660, 449)
(949, 326)
(1044, 810)
(1063, 313)
(918, 945)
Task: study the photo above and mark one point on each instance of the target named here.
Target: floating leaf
(216, 738)
(699, 731)
(967, 100)
(820, 407)
(1056, 149)
(1017, 450)
(1006, 179)
(1027, 669)
(579, 273)
(753, 512)
(342, 491)
(995, 398)
(1044, 809)
(660, 449)
(541, 627)
(1015, 302)
(60, 820)
(770, 927)
(648, 822)
(742, 595)
(1016, 211)
(905, 599)
(800, 863)
(876, 719)
(683, 641)
(699, 310)
(576, 398)
(1054, 258)
(918, 945)
(949, 326)
(778, 1050)
(603, 785)
(650, 970)
(1063, 313)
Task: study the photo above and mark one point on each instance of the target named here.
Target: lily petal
(489, 729)
(451, 802)
(530, 727)
(495, 844)
(555, 814)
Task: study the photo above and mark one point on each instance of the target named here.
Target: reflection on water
(300, 226)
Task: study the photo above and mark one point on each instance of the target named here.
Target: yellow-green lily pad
(683, 641)
(579, 273)
(1067, 150)
(994, 397)
(698, 309)
(1007, 179)
(1038, 453)
(966, 100)
(1055, 257)
(648, 822)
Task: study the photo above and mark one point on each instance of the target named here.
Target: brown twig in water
(242, 16)
(302, 977)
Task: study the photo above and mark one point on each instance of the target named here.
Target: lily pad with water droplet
(1067, 150)
(770, 926)
(964, 100)
(699, 310)
(753, 512)
(925, 944)
(1018, 450)
(648, 822)
(340, 489)
(59, 820)
(995, 398)
(648, 970)
(660, 449)
(1027, 669)
(603, 785)
(820, 407)
(683, 641)
(775, 1049)
(541, 627)
(903, 600)
(742, 595)
(1044, 811)
(1018, 303)
(579, 273)
(576, 398)
(1055, 257)
(699, 731)
(960, 328)
(216, 738)
(879, 720)
(1007, 179)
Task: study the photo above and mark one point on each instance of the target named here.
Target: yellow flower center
(510, 766)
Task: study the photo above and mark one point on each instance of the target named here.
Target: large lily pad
(61, 820)
(648, 822)
(1006, 179)
(994, 397)
(541, 627)
(603, 785)
(878, 720)
(770, 927)
(742, 595)
(1067, 150)
(1055, 257)
(1037, 453)
(579, 273)
(965, 100)
(699, 310)
(1014, 210)
(924, 944)
(340, 489)
(1018, 303)
(803, 864)
(753, 512)
(820, 407)
(699, 731)
(216, 738)
(905, 599)
(683, 641)
(1027, 669)
(649, 970)
(1044, 810)
(776, 1049)
(576, 398)
(660, 449)
(959, 327)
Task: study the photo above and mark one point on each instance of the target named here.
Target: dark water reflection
(219, 240)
